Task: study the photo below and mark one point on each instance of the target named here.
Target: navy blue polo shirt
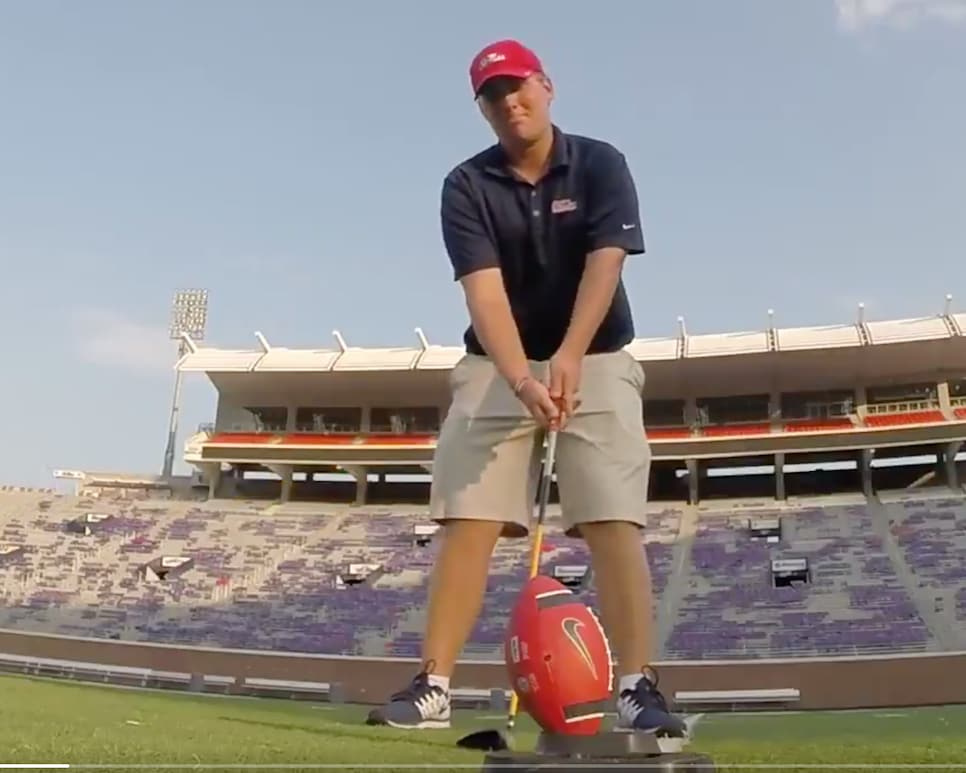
(540, 235)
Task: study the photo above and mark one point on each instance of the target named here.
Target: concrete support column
(775, 410)
(361, 476)
(949, 459)
(860, 401)
(211, 474)
(865, 468)
(285, 472)
(942, 392)
(694, 470)
(780, 477)
(690, 412)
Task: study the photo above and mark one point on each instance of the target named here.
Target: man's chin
(521, 135)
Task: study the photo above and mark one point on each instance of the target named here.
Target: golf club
(494, 740)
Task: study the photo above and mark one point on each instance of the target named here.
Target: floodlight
(189, 316)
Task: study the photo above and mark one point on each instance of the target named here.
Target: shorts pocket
(635, 372)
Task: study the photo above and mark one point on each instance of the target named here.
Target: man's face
(518, 109)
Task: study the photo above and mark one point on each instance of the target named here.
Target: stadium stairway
(922, 595)
(677, 582)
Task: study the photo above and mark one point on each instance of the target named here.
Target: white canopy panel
(724, 344)
(282, 360)
(377, 359)
(823, 337)
(436, 357)
(960, 320)
(905, 330)
(223, 360)
(649, 349)
(440, 357)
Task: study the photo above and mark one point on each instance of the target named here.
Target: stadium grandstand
(806, 499)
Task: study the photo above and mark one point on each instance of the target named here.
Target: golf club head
(690, 723)
(485, 741)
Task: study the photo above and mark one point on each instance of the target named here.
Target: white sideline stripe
(28, 766)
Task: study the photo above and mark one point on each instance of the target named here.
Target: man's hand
(565, 382)
(536, 397)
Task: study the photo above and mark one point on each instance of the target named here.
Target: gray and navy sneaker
(420, 705)
(644, 709)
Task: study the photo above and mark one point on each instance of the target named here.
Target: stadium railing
(213, 683)
(736, 699)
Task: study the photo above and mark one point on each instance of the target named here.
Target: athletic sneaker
(643, 708)
(420, 705)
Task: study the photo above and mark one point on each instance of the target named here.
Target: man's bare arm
(493, 323)
(595, 294)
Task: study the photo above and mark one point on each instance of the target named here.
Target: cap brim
(503, 71)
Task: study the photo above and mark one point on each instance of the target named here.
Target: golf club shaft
(544, 498)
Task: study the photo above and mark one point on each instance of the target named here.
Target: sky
(800, 156)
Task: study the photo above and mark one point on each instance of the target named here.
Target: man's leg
(623, 580)
(484, 484)
(603, 466)
(456, 591)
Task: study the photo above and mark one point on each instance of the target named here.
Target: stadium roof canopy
(428, 357)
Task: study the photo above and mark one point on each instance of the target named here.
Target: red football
(558, 659)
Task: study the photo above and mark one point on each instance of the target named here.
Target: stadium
(807, 540)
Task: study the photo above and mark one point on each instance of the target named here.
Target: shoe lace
(417, 687)
(645, 691)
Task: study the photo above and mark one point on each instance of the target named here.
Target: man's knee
(609, 536)
(472, 536)
(618, 556)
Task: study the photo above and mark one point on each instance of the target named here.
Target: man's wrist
(571, 348)
(517, 385)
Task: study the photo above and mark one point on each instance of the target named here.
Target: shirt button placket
(537, 230)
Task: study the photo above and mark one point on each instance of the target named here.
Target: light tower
(189, 316)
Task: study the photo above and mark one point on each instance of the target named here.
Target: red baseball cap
(504, 57)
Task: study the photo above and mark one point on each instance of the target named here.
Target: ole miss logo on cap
(491, 57)
(505, 57)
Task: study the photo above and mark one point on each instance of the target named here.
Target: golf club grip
(544, 498)
(545, 483)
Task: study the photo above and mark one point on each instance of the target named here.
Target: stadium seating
(266, 577)
(817, 425)
(727, 430)
(854, 603)
(668, 433)
(932, 538)
(907, 417)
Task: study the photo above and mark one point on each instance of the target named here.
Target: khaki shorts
(488, 456)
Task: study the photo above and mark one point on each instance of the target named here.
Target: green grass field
(46, 721)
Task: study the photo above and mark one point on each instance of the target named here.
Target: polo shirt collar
(497, 163)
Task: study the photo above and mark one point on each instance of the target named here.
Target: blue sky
(802, 156)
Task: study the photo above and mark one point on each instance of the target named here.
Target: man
(537, 228)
